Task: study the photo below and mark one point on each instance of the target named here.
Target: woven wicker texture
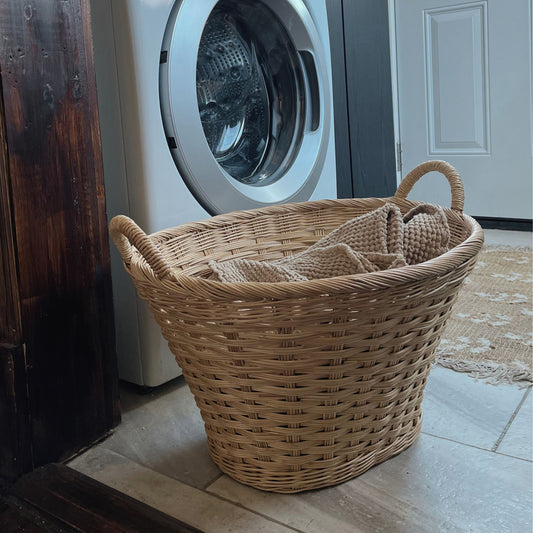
(304, 384)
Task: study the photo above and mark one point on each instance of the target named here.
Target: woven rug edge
(493, 373)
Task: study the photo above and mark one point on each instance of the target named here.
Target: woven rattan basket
(306, 384)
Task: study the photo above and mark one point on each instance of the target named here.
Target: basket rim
(373, 281)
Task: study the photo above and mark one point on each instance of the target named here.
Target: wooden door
(464, 88)
(58, 357)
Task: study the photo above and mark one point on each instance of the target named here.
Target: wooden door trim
(58, 212)
(10, 315)
(15, 437)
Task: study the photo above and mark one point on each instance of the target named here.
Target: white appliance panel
(142, 180)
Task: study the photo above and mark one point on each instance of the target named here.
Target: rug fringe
(488, 371)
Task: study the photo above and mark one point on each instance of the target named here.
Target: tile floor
(470, 469)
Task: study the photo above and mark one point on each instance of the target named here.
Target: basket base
(313, 476)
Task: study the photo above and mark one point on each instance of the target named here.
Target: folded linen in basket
(330, 261)
(367, 243)
(426, 233)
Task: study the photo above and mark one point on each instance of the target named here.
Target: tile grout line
(513, 456)
(237, 504)
(213, 481)
(511, 420)
(473, 446)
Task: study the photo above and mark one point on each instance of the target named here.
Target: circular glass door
(243, 101)
(251, 92)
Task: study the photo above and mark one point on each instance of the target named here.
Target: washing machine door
(245, 101)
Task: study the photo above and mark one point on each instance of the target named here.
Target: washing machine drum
(245, 101)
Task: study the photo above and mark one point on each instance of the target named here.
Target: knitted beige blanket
(378, 240)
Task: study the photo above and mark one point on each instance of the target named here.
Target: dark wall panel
(369, 95)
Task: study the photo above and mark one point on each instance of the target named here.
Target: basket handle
(456, 184)
(126, 234)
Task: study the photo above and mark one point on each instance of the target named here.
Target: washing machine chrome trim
(211, 185)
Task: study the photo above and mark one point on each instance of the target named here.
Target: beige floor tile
(518, 439)
(165, 432)
(190, 505)
(463, 409)
(436, 485)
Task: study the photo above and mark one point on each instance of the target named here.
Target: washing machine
(206, 107)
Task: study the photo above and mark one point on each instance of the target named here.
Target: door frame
(394, 83)
(364, 131)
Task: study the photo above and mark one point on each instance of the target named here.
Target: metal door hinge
(399, 157)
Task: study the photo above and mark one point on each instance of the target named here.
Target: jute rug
(490, 332)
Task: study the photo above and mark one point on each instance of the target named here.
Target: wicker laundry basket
(304, 384)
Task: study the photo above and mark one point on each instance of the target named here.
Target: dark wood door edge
(87, 505)
(57, 209)
(11, 321)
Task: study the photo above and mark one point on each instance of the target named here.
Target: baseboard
(515, 224)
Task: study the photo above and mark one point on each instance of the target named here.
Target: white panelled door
(464, 95)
